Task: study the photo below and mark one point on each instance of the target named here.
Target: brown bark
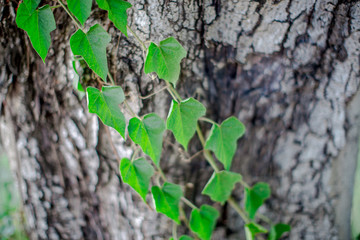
(288, 69)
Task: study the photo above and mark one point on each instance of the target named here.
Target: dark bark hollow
(288, 69)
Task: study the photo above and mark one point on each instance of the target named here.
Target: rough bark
(288, 69)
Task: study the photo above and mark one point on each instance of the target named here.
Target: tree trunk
(288, 69)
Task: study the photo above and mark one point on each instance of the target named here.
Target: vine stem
(238, 209)
(161, 173)
(168, 85)
(112, 144)
(194, 156)
(174, 91)
(56, 6)
(207, 154)
(134, 154)
(205, 119)
(109, 75)
(184, 218)
(176, 96)
(174, 231)
(130, 110)
(69, 13)
(185, 200)
(211, 161)
(154, 93)
(157, 180)
(137, 38)
(190, 204)
(242, 182)
(62, 4)
(111, 78)
(264, 218)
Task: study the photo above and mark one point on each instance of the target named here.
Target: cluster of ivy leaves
(147, 131)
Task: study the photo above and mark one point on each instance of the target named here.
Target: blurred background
(11, 213)
(288, 69)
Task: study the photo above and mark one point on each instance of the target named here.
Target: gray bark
(288, 69)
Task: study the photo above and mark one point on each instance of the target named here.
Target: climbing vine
(147, 131)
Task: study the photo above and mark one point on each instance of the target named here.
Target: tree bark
(288, 69)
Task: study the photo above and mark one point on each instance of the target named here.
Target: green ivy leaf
(203, 221)
(80, 8)
(167, 200)
(92, 47)
(220, 185)
(182, 119)
(38, 24)
(165, 59)
(255, 197)
(148, 133)
(32, 4)
(137, 174)
(117, 12)
(252, 229)
(223, 140)
(106, 105)
(276, 231)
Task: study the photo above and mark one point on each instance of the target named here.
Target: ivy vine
(147, 131)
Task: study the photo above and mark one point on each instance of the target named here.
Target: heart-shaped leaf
(223, 140)
(165, 59)
(220, 185)
(106, 105)
(255, 197)
(167, 200)
(252, 229)
(117, 12)
(38, 24)
(276, 231)
(92, 47)
(182, 119)
(203, 221)
(80, 8)
(137, 174)
(148, 133)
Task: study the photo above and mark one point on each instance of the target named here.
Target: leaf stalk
(56, 6)
(205, 119)
(154, 93)
(174, 231)
(137, 38)
(134, 154)
(238, 209)
(111, 79)
(133, 114)
(71, 16)
(190, 204)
